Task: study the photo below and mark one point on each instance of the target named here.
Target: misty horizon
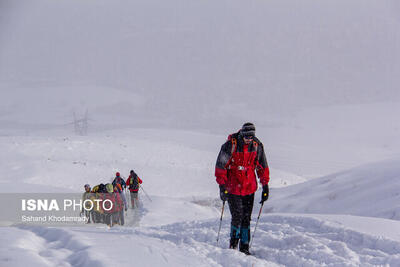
(194, 64)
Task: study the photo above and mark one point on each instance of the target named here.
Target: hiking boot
(233, 244)
(244, 248)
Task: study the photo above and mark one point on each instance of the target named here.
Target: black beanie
(248, 129)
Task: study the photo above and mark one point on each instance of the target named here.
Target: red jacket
(116, 201)
(130, 183)
(237, 164)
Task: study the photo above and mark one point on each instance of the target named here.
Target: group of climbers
(110, 200)
(241, 159)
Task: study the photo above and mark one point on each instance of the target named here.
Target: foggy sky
(206, 60)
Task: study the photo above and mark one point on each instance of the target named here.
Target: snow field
(177, 163)
(178, 226)
(280, 240)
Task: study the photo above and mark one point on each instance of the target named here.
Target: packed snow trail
(281, 240)
(44, 246)
(286, 240)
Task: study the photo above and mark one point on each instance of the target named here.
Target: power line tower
(81, 125)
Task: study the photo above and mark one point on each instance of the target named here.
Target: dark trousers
(134, 199)
(121, 217)
(108, 219)
(87, 215)
(241, 208)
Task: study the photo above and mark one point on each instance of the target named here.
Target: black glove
(264, 194)
(223, 194)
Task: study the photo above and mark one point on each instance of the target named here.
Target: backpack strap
(234, 145)
(233, 149)
(255, 144)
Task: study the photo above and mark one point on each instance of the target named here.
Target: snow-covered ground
(178, 226)
(306, 222)
(281, 240)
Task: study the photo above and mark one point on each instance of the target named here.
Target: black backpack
(134, 182)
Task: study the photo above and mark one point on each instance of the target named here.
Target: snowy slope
(163, 158)
(178, 226)
(370, 190)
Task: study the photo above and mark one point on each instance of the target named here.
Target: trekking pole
(146, 193)
(128, 197)
(259, 213)
(220, 220)
(127, 201)
(126, 192)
